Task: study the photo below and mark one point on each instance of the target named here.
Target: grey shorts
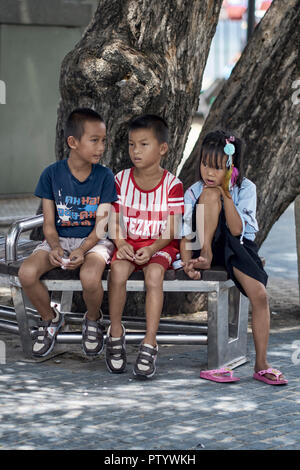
(104, 248)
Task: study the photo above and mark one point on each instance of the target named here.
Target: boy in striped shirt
(147, 222)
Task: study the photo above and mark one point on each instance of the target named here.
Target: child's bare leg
(154, 275)
(29, 274)
(91, 280)
(119, 273)
(211, 199)
(257, 295)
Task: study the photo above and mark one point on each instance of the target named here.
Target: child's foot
(115, 352)
(92, 335)
(269, 375)
(45, 336)
(204, 260)
(145, 364)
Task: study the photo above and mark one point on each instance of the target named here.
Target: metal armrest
(12, 237)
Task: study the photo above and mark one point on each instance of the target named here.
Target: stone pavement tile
(256, 446)
(41, 444)
(203, 429)
(235, 445)
(266, 434)
(79, 402)
(88, 444)
(171, 442)
(284, 440)
(289, 447)
(24, 439)
(223, 442)
(292, 425)
(226, 443)
(252, 438)
(276, 419)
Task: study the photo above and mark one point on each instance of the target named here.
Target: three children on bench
(141, 209)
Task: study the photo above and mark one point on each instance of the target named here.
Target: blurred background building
(34, 39)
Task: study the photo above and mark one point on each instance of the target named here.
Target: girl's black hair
(212, 151)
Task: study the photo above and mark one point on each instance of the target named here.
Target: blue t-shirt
(76, 202)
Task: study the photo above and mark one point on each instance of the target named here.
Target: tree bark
(260, 103)
(139, 56)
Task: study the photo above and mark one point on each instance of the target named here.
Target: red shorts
(165, 257)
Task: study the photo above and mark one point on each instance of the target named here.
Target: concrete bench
(225, 332)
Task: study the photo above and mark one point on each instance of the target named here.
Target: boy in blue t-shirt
(76, 195)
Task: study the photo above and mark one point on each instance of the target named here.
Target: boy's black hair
(75, 123)
(150, 121)
(212, 151)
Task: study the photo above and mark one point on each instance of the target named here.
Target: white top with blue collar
(244, 199)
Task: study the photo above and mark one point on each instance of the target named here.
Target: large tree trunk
(260, 103)
(139, 56)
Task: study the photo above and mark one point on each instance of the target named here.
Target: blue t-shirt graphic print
(76, 202)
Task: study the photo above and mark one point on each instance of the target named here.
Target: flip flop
(260, 375)
(219, 375)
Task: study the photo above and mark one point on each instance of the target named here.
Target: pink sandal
(219, 375)
(260, 375)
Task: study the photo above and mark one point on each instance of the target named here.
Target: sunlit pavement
(69, 402)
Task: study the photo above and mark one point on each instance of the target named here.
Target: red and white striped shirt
(144, 214)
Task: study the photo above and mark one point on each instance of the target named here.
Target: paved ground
(69, 402)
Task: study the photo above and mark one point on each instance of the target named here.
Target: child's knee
(154, 277)
(260, 297)
(28, 274)
(90, 280)
(211, 195)
(118, 273)
(91, 272)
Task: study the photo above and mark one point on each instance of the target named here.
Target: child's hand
(126, 251)
(143, 255)
(76, 259)
(224, 191)
(55, 256)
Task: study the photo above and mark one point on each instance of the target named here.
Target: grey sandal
(44, 338)
(92, 336)
(145, 364)
(115, 354)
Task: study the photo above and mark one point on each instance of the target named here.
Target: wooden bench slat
(214, 274)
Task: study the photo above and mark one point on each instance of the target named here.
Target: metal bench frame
(225, 333)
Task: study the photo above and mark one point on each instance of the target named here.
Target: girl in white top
(219, 229)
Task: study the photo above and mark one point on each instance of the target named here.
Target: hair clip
(229, 150)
